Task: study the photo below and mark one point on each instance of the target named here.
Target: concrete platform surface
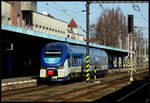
(16, 83)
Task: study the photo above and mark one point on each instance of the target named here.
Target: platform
(16, 83)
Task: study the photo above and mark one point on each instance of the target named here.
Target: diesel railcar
(63, 61)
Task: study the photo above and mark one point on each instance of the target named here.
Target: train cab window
(53, 52)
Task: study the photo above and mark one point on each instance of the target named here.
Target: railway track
(82, 94)
(132, 93)
(68, 92)
(34, 88)
(78, 93)
(12, 94)
(136, 92)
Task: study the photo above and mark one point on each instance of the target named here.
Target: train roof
(78, 48)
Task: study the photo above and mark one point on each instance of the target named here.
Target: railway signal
(130, 32)
(130, 24)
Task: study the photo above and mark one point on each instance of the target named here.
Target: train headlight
(61, 67)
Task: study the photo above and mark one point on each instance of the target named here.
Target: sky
(66, 10)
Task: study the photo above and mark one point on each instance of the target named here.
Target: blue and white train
(63, 61)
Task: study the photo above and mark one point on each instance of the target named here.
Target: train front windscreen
(52, 55)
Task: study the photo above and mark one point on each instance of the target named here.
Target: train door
(66, 66)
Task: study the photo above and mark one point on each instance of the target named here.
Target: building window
(50, 29)
(36, 25)
(55, 30)
(46, 28)
(40, 26)
(43, 27)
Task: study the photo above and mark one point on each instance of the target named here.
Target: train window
(102, 60)
(73, 60)
(79, 60)
(76, 60)
(92, 61)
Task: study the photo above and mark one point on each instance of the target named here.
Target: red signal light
(50, 72)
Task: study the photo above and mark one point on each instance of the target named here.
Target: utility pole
(87, 41)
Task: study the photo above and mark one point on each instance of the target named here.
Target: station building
(24, 15)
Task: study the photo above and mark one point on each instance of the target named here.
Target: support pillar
(122, 61)
(112, 61)
(117, 62)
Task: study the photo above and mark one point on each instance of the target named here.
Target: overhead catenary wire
(73, 12)
(66, 13)
(137, 9)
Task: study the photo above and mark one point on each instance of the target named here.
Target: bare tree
(110, 26)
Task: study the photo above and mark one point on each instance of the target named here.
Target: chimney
(49, 15)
